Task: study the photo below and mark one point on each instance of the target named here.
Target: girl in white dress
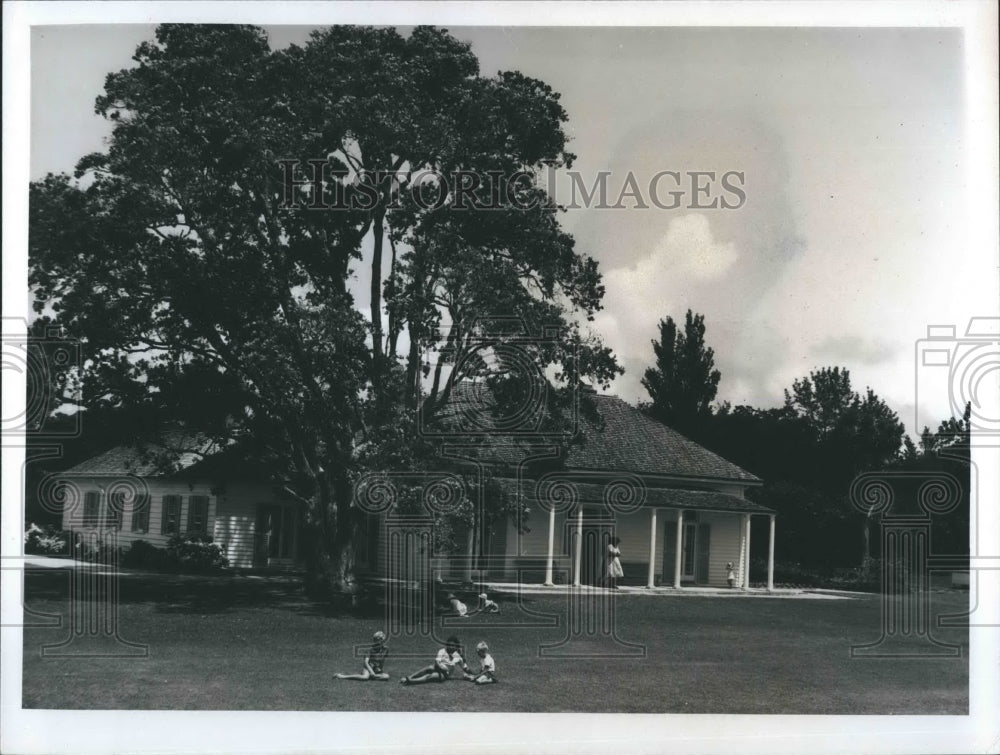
(614, 563)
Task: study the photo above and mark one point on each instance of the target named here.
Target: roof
(564, 491)
(631, 441)
(172, 452)
(621, 438)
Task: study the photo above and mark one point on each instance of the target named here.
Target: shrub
(47, 541)
(143, 555)
(195, 553)
(796, 575)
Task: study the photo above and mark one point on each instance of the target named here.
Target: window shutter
(140, 513)
(171, 515)
(701, 562)
(116, 510)
(197, 522)
(91, 510)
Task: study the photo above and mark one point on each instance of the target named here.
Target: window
(171, 515)
(197, 523)
(91, 509)
(140, 513)
(116, 508)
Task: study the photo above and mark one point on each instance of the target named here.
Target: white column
(680, 543)
(651, 581)
(552, 541)
(770, 557)
(469, 542)
(577, 562)
(746, 554)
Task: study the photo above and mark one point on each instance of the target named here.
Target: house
(128, 490)
(680, 510)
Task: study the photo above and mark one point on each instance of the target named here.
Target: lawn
(243, 643)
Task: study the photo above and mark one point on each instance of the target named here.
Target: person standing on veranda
(614, 572)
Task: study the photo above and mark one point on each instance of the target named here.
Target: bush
(796, 575)
(143, 555)
(195, 553)
(45, 541)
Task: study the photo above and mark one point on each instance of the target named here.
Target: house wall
(724, 546)
(231, 514)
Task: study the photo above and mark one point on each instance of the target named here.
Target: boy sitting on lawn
(373, 662)
(447, 659)
(486, 605)
(487, 669)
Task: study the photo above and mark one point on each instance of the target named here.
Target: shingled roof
(172, 452)
(620, 438)
(630, 441)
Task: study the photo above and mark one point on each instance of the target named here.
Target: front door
(276, 534)
(597, 533)
(695, 547)
(689, 549)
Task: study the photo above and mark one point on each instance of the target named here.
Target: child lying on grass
(374, 662)
(447, 659)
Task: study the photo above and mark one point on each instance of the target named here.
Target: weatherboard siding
(724, 545)
(73, 509)
(231, 520)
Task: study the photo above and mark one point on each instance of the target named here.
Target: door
(702, 544)
(275, 534)
(695, 545)
(689, 550)
(669, 553)
(597, 534)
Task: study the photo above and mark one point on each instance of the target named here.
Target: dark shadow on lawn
(214, 593)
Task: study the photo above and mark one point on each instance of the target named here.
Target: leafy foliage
(684, 381)
(199, 293)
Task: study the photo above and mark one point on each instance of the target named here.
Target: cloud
(686, 259)
(687, 250)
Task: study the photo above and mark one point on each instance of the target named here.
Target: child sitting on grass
(447, 659)
(456, 607)
(487, 669)
(486, 605)
(373, 662)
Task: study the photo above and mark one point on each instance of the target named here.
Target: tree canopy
(683, 382)
(198, 288)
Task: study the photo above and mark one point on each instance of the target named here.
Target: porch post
(770, 558)
(552, 540)
(651, 581)
(680, 543)
(469, 542)
(579, 546)
(746, 555)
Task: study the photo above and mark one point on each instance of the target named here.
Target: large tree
(684, 381)
(197, 288)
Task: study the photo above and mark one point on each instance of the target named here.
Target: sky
(852, 143)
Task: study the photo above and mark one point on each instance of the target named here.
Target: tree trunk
(866, 552)
(378, 229)
(329, 551)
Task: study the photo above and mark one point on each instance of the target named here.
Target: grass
(240, 643)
